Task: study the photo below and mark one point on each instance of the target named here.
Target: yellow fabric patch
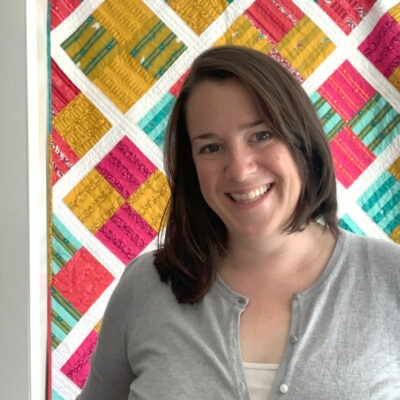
(151, 198)
(124, 81)
(243, 33)
(394, 79)
(93, 201)
(394, 169)
(143, 58)
(81, 124)
(198, 14)
(395, 235)
(98, 325)
(305, 47)
(395, 12)
(123, 18)
(86, 45)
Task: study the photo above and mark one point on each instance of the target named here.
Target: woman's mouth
(251, 196)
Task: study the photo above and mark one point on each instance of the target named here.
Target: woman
(256, 294)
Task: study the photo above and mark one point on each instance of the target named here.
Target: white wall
(14, 251)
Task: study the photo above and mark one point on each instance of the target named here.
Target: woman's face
(247, 176)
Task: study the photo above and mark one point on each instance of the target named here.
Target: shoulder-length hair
(195, 237)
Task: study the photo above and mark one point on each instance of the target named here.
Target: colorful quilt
(116, 69)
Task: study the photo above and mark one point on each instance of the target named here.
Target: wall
(14, 251)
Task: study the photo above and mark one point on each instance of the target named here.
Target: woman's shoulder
(373, 254)
(141, 281)
(371, 246)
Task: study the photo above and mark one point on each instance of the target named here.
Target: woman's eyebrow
(210, 135)
(251, 124)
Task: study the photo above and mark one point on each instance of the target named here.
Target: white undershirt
(259, 379)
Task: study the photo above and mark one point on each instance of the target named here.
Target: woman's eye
(210, 148)
(260, 136)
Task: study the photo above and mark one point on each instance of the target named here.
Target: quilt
(116, 69)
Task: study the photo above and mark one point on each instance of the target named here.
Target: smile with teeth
(251, 196)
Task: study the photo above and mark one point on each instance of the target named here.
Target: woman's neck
(293, 260)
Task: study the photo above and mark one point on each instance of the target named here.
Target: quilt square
(123, 47)
(126, 234)
(274, 18)
(81, 125)
(77, 367)
(346, 13)
(93, 201)
(305, 47)
(346, 91)
(199, 14)
(151, 199)
(380, 201)
(382, 45)
(350, 156)
(82, 280)
(125, 167)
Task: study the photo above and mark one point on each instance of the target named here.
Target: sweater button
(283, 388)
(293, 339)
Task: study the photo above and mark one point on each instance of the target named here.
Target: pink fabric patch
(62, 156)
(350, 156)
(125, 167)
(346, 91)
(274, 18)
(82, 280)
(77, 367)
(382, 46)
(126, 233)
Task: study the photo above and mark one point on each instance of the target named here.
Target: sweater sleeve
(110, 373)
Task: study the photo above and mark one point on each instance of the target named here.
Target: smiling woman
(255, 293)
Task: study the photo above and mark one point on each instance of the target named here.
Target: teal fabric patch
(381, 202)
(155, 121)
(347, 223)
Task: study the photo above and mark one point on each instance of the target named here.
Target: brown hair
(195, 236)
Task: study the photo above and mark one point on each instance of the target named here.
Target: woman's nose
(241, 164)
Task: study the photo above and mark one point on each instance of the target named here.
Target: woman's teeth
(251, 196)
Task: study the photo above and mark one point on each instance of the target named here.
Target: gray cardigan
(344, 338)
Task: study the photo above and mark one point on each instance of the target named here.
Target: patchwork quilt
(116, 69)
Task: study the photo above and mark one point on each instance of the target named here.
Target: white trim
(37, 89)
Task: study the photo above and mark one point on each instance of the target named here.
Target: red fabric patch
(350, 156)
(63, 91)
(82, 280)
(176, 88)
(63, 157)
(274, 18)
(60, 9)
(347, 14)
(346, 91)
